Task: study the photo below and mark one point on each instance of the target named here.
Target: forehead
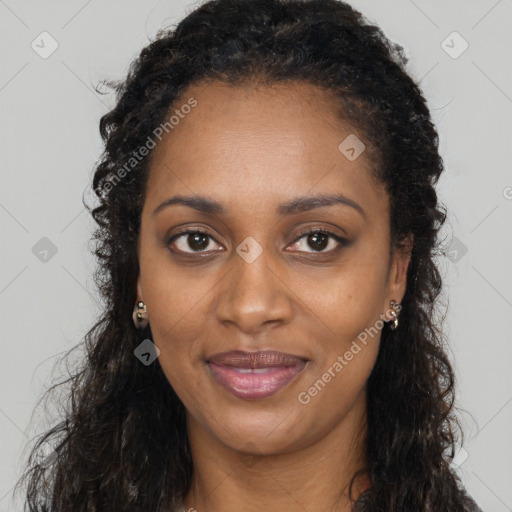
(269, 142)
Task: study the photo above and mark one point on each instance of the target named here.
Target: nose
(254, 295)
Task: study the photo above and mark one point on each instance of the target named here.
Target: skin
(252, 148)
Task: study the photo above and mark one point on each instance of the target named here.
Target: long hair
(122, 444)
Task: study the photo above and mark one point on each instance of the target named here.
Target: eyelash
(194, 231)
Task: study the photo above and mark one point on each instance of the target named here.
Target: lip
(255, 375)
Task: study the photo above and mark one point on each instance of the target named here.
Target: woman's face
(254, 159)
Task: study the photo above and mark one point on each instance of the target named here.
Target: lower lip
(256, 384)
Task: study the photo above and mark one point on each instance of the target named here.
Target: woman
(267, 223)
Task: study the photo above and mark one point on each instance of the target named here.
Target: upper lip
(262, 359)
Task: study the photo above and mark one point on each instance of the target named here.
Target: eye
(196, 240)
(193, 238)
(318, 239)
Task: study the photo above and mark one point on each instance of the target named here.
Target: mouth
(255, 375)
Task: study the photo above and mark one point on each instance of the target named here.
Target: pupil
(193, 239)
(319, 244)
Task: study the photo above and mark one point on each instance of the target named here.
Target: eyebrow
(294, 206)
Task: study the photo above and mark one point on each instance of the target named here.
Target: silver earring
(139, 316)
(395, 308)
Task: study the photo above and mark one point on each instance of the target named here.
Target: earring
(140, 319)
(395, 309)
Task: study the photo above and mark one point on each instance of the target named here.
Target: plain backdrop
(461, 52)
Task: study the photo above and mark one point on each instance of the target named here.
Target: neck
(313, 477)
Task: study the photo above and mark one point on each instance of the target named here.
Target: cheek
(337, 390)
(347, 350)
(177, 303)
(346, 355)
(178, 320)
(346, 301)
(346, 312)
(176, 296)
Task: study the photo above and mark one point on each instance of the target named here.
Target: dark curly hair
(111, 452)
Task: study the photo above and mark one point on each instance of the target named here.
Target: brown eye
(191, 241)
(318, 240)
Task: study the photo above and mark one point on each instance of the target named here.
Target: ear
(397, 281)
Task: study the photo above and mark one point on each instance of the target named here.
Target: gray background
(50, 142)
